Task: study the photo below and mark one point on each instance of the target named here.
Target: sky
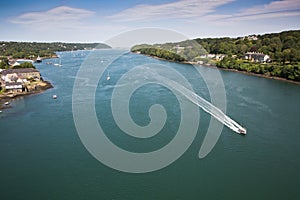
(99, 20)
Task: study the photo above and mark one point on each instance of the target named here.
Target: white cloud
(193, 17)
(275, 9)
(64, 24)
(174, 10)
(204, 10)
(62, 16)
(275, 6)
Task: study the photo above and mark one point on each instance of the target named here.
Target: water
(42, 156)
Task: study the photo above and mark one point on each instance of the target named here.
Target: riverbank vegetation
(289, 71)
(5, 65)
(24, 65)
(160, 53)
(188, 50)
(31, 50)
(283, 49)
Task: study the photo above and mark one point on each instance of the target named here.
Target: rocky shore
(36, 88)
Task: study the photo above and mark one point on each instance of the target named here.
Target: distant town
(18, 75)
(20, 81)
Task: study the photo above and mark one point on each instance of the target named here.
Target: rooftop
(17, 71)
(12, 83)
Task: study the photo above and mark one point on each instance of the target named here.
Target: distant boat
(108, 77)
(38, 59)
(6, 103)
(0, 111)
(58, 64)
(54, 96)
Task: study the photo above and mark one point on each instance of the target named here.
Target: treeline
(24, 65)
(5, 65)
(188, 50)
(282, 47)
(287, 71)
(160, 53)
(31, 50)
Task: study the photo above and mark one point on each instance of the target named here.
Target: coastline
(7, 97)
(231, 70)
(259, 75)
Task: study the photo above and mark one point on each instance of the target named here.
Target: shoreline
(259, 75)
(231, 70)
(7, 97)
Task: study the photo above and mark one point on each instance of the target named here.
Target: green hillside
(229, 53)
(34, 49)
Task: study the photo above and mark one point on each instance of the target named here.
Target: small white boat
(0, 111)
(58, 64)
(108, 77)
(54, 96)
(6, 103)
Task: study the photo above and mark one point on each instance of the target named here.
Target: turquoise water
(42, 156)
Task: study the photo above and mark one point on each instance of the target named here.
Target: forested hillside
(34, 49)
(282, 48)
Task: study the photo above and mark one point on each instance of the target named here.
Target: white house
(14, 87)
(257, 57)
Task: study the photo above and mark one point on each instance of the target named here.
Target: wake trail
(202, 103)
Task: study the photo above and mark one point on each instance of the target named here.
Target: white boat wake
(202, 103)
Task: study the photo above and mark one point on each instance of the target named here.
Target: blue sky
(99, 20)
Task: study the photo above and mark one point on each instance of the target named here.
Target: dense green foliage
(161, 53)
(31, 50)
(282, 47)
(4, 63)
(188, 50)
(24, 65)
(288, 71)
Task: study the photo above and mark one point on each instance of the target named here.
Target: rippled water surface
(42, 156)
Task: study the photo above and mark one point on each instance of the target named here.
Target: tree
(253, 49)
(286, 55)
(4, 63)
(24, 65)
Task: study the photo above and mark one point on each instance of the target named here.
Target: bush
(24, 65)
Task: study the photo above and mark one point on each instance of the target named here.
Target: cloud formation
(205, 10)
(275, 9)
(174, 10)
(60, 16)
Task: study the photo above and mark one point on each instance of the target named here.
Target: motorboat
(242, 131)
(54, 96)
